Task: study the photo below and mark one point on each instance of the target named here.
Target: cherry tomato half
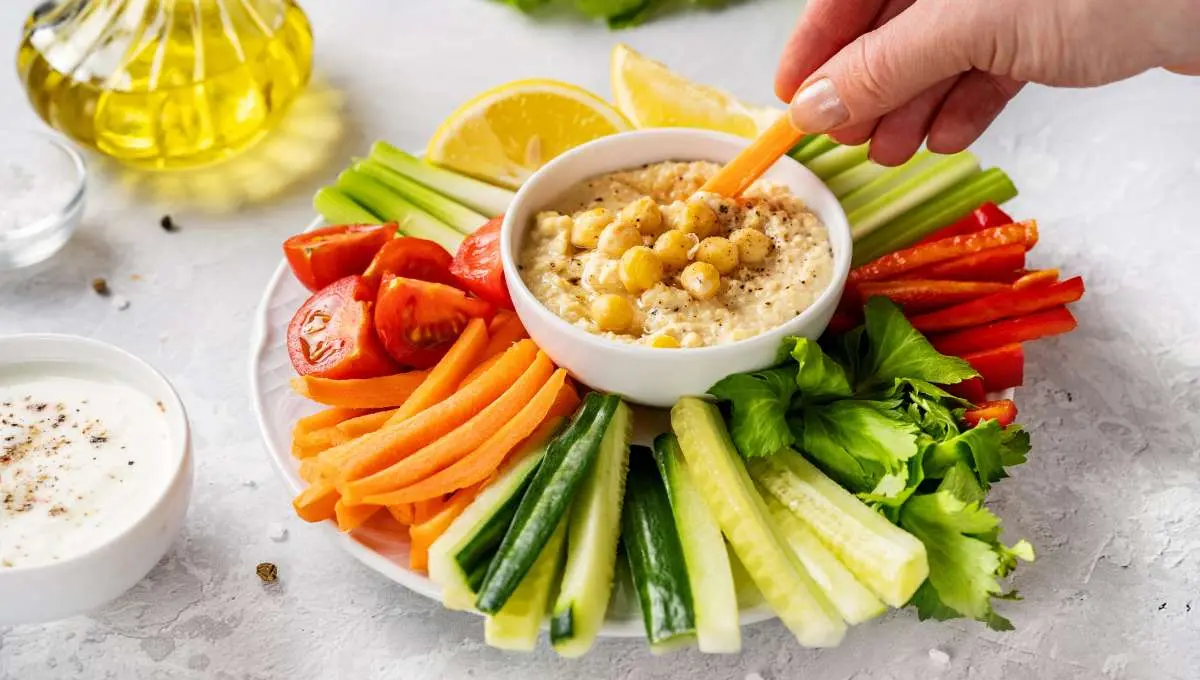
(333, 335)
(477, 265)
(322, 256)
(411, 258)
(419, 320)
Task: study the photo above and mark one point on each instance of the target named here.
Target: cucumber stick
(471, 540)
(568, 459)
(656, 558)
(731, 497)
(517, 624)
(884, 557)
(854, 600)
(592, 535)
(709, 573)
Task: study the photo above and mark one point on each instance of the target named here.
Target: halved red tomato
(333, 335)
(419, 320)
(411, 258)
(477, 265)
(322, 256)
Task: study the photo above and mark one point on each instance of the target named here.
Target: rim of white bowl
(837, 283)
(177, 422)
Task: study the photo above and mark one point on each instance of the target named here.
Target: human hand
(898, 71)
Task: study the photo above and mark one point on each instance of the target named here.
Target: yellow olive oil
(165, 84)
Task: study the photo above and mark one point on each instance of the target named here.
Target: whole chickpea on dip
(637, 256)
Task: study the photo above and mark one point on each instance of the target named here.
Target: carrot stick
(309, 471)
(312, 505)
(402, 513)
(311, 443)
(503, 335)
(502, 317)
(456, 445)
(326, 418)
(739, 173)
(448, 373)
(384, 392)
(488, 456)
(427, 508)
(423, 535)
(350, 517)
(356, 427)
(396, 441)
(480, 369)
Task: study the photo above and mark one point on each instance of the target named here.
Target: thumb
(885, 68)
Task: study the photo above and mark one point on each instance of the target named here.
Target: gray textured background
(1110, 496)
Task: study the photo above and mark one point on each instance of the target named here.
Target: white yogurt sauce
(82, 458)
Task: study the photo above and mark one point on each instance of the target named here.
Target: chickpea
(692, 340)
(640, 269)
(664, 341)
(752, 245)
(612, 313)
(701, 279)
(699, 219)
(618, 237)
(585, 233)
(644, 215)
(601, 275)
(674, 247)
(719, 252)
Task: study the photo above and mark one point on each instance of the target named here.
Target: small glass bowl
(33, 164)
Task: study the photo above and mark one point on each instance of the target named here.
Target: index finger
(824, 28)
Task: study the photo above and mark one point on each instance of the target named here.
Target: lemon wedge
(505, 134)
(651, 95)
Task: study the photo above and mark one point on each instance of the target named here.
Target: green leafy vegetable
(819, 377)
(900, 351)
(857, 443)
(759, 403)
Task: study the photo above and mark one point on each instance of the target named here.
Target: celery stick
(804, 141)
(990, 185)
(830, 164)
(390, 206)
(815, 148)
(338, 208)
(475, 194)
(887, 179)
(457, 216)
(914, 190)
(854, 178)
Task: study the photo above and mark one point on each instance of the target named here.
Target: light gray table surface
(1110, 496)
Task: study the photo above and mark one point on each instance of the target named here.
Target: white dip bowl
(647, 375)
(84, 580)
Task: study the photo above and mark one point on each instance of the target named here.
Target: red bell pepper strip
(919, 296)
(1003, 305)
(993, 264)
(842, 322)
(987, 215)
(894, 264)
(998, 333)
(971, 389)
(1036, 279)
(1004, 411)
(999, 368)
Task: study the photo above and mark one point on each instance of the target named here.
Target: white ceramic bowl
(659, 377)
(75, 585)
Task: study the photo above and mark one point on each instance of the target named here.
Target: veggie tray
(413, 418)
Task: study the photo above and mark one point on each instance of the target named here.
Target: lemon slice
(651, 95)
(505, 134)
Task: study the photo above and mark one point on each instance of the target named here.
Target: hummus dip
(637, 256)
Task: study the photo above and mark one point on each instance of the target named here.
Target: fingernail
(817, 107)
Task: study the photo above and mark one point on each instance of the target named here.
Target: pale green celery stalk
(816, 147)
(475, 194)
(804, 141)
(945, 208)
(392, 207)
(887, 179)
(923, 185)
(882, 556)
(837, 161)
(338, 208)
(458, 216)
(855, 178)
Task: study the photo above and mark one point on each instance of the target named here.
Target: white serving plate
(277, 408)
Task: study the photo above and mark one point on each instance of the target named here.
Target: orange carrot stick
(480, 369)
(457, 444)
(384, 392)
(379, 450)
(504, 335)
(423, 535)
(312, 505)
(739, 173)
(427, 508)
(350, 517)
(356, 427)
(462, 356)
(487, 457)
(326, 418)
(402, 513)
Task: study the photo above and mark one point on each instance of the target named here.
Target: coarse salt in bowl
(647, 375)
(43, 183)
